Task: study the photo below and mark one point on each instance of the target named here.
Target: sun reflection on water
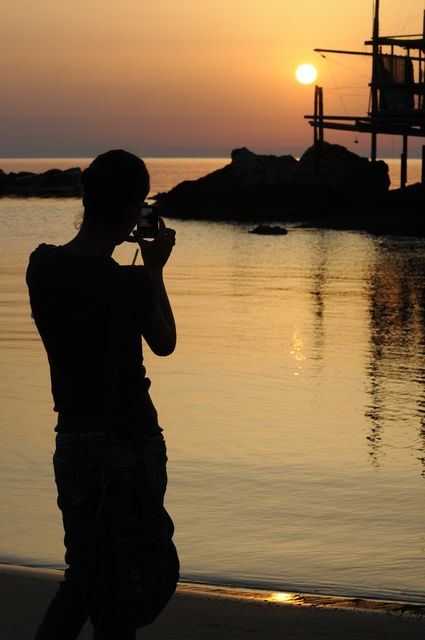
(282, 597)
(296, 351)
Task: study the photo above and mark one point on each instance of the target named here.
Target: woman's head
(115, 183)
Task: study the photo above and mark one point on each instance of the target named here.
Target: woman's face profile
(127, 221)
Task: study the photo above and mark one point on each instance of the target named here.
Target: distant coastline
(59, 177)
(41, 164)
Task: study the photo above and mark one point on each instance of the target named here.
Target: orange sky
(182, 77)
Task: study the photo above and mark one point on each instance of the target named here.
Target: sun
(306, 73)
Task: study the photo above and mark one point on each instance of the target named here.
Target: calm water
(294, 405)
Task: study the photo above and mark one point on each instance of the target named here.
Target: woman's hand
(156, 252)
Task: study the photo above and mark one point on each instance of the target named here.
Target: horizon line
(176, 157)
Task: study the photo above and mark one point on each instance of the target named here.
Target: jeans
(137, 478)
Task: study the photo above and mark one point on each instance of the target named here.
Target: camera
(148, 221)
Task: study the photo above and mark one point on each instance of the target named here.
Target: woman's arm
(159, 329)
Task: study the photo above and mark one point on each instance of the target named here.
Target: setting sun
(306, 73)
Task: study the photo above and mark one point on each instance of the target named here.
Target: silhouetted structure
(396, 105)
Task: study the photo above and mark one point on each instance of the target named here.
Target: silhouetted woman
(75, 289)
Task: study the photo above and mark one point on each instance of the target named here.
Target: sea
(293, 407)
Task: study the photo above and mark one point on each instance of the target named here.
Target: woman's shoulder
(42, 261)
(43, 252)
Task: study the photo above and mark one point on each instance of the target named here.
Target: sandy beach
(199, 612)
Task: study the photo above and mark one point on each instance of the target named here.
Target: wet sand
(198, 612)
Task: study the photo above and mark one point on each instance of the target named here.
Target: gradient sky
(182, 77)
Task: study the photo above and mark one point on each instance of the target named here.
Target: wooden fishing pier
(397, 94)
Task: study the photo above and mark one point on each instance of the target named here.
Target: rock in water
(243, 190)
(53, 182)
(337, 167)
(326, 179)
(267, 230)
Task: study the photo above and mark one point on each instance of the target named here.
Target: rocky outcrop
(50, 183)
(336, 168)
(243, 189)
(331, 177)
(399, 212)
(253, 187)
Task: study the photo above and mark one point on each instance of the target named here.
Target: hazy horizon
(394, 158)
(184, 79)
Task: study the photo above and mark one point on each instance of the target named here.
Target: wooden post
(318, 130)
(403, 169)
(373, 147)
(420, 98)
(375, 53)
(321, 137)
(423, 164)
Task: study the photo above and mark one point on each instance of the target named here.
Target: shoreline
(198, 611)
(259, 593)
(304, 596)
(251, 594)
